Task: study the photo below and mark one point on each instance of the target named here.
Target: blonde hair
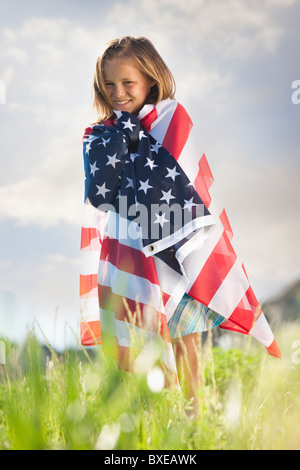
(143, 55)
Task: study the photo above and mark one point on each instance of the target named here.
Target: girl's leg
(186, 351)
(123, 358)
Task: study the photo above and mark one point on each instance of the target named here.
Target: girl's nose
(119, 91)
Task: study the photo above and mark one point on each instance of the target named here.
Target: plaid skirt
(192, 316)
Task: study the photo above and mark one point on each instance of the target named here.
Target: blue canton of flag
(128, 171)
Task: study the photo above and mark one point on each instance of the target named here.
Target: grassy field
(80, 400)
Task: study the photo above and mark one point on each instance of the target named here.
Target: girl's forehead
(117, 62)
(119, 65)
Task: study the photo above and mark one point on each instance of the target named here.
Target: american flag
(151, 233)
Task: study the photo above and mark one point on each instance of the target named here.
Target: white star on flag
(141, 135)
(112, 160)
(130, 183)
(93, 169)
(155, 147)
(172, 173)
(189, 204)
(150, 163)
(128, 125)
(102, 190)
(91, 137)
(145, 186)
(104, 142)
(167, 196)
(88, 148)
(161, 219)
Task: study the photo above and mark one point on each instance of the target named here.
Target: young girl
(165, 289)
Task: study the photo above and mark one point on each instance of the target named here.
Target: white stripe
(197, 241)
(92, 217)
(189, 157)
(231, 292)
(165, 110)
(129, 285)
(89, 263)
(147, 108)
(195, 261)
(167, 277)
(171, 283)
(176, 296)
(89, 309)
(262, 331)
(183, 232)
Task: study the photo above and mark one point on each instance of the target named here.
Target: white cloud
(53, 190)
(39, 28)
(234, 29)
(49, 91)
(40, 202)
(16, 54)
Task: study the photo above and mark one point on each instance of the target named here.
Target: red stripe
(204, 180)
(245, 314)
(90, 333)
(226, 224)
(274, 350)
(214, 271)
(165, 297)
(128, 259)
(109, 122)
(87, 283)
(229, 325)
(89, 237)
(87, 132)
(177, 132)
(147, 120)
(244, 269)
(144, 316)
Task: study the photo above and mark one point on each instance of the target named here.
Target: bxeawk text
(163, 459)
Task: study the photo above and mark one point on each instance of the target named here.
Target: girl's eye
(128, 83)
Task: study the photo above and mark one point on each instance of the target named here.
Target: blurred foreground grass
(80, 400)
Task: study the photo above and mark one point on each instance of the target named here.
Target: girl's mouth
(122, 103)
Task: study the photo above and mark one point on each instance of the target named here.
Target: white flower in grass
(108, 437)
(233, 406)
(156, 379)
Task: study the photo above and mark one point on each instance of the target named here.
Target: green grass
(80, 400)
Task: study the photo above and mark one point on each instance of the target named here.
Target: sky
(235, 63)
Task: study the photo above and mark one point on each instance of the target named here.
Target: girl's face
(126, 87)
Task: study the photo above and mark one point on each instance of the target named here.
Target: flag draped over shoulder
(150, 234)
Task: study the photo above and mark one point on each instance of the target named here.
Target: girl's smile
(126, 87)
